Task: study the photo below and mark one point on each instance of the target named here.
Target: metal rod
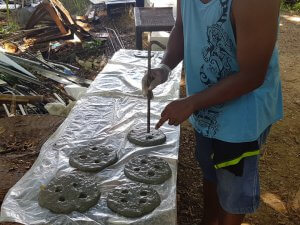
(119, 36)
(6, 110)
(149, 94)
(22, 109)
(110, 39)
(148, 113)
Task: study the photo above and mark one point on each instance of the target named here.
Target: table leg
(138, 39)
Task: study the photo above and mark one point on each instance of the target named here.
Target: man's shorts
(237, 194)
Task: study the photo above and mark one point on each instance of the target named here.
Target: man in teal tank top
(233, 95)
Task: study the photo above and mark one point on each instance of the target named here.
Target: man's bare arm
(174, 52)
(256, 25)
(256, 31)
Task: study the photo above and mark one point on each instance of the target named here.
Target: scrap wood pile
(26, 86)
(66, 27)
(36, 75)
(52, 30)
(50, 21)
(29, 81)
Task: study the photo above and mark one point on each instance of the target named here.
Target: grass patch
(297, 7)
(8, 28)
(92, 44)
(290, 7)
(76, 7)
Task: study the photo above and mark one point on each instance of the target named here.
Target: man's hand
(176, 112)
(172, 56)
(156, 77)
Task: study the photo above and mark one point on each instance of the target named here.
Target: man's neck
(205, 1)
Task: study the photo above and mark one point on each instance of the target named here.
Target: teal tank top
(209, 56)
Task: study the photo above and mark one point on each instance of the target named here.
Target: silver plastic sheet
(112, 106)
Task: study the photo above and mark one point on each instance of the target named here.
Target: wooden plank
(35, 40)
(41, 11)
(55, 17)
(64, 13)
(19, 99)
(37, 15)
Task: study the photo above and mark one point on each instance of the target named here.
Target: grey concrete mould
(75, 191)
(133, 200)
(139, 136)
(148, 170)
(93, 158)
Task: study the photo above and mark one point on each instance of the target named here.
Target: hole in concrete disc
(94, 148)
(83, 156)
(61, 199)
(151, 173)
(124, 200)
(125, 191)
(97, 161)
(143, 193)
(58, 189)
(106, 153)
(149, 137)
(144, 161)
(75, 185)
(143, 201)
(157, 167)
(136, 169)
(82, 195)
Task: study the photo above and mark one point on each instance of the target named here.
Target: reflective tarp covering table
(112, 106)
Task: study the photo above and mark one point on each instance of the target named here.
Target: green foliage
(92, 44)
(290, 5)
(8, 28)
(297, 7)
(291, 2)
(7, 9)
(76, 7)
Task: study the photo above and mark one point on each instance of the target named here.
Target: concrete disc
(133, 200)
(93, 159)
(148, 169)
(70, 192)
(139, 136)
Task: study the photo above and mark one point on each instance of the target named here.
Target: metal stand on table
(152, 19)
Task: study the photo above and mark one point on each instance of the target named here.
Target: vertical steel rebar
(148, 112)
(149, 94)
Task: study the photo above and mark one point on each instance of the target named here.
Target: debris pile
(48, 64)
(26, 86)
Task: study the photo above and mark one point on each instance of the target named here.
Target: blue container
(140, 3)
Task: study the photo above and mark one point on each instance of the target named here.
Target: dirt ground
(279, 166)
(20, 140)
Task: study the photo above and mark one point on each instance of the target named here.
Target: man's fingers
(149, 83)
(161, 122)
(172, 121)
(176, 123)
(145, 86)
(154, 83)
(150, 94)
(163, 113)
